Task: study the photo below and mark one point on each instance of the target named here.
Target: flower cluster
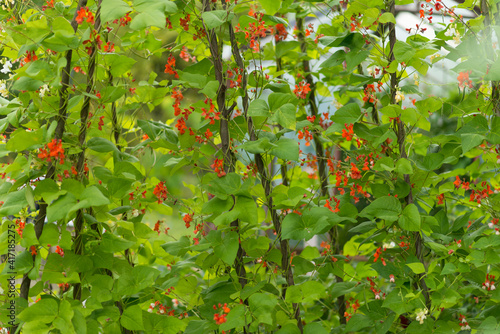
(54, 150)
(464, 325)
(221, 318)
(302, 89)
(160, 192)
(59, 251)
(305, 134)
(463, 80)
(20, 223)
(348, 132)
(169, 67)
(218, 167)
(421, 316)
(489, 283)
(84, 14)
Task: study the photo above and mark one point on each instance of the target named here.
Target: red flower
(440, 199)
(169, 67)
(59, 251)
(84, 13)
(160, 192)
(218, 167)
(463, 80)
(54, 150)
(109, 47)
(188, 219)
(302, 89)
(349, 133)
(125, 20)
(101, 123)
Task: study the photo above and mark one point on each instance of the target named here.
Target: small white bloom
(492, 287)
(421, 316)
(44, 89)
(399, 96)
(135, 213)
(3, 89)
(6, 67)
(450, 32)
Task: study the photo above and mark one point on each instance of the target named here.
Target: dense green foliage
(270, 166)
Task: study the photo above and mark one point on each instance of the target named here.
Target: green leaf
(285, 116)
(343, 288)
(353, 60)
(114, 9)
(417, 267)
(225, 246)
(50, 235)
(403, 166)
(14, 203)
(334, 60)
(45, 311)
(410, 218)
(258, 108)
(430, 162)
(314, 328)
(177, 248)
(348, 114)
(21, 140)
(216, 18)
(23, 262)
(387, 208)
(94, 196)
(403, 52)
(112, 244)
(312, 222)
(384, 164)
(282, 48)
(470, 141)
(387, 17)
(100, 144)
(59, 209)
(287, 149)
(27, 83)
(152, 17)
(357, 322)
(262, 306)
(270, 6)
(258, 146)
(132, 318)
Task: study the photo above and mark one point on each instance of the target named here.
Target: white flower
(450, 32)
(399, 96)
(135, 213)
(391, 279)
(6, 67)
(392, 244)
(44, 89)
(421, 316)
(3, 89)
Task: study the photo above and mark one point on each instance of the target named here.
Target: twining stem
(216, 52)
(401, 136)
(320, 153)
(82, 136)
(58, 134)
(266, 182)
(283, 167)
